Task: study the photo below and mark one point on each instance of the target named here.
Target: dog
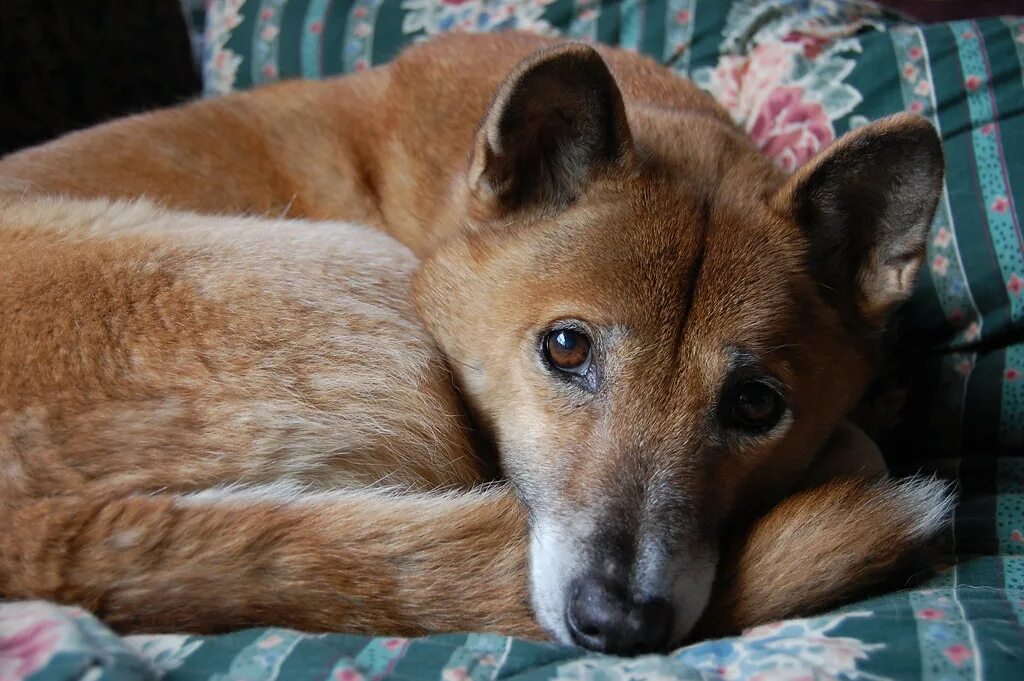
(657, 331)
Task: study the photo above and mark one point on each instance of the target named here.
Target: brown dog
(659, 331)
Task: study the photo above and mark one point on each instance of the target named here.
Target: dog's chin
(554, 562)
(691, 593)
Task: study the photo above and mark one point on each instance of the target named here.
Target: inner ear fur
(865, 205)
(557, 117)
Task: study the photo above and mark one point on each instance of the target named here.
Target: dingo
(659, 332)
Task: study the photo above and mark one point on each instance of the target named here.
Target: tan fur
(151, 352)
(217, 350)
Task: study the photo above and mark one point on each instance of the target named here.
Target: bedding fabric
(795, 74)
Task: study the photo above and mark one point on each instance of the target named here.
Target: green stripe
(388, 37)
(289, 47)
(333, 37)
(680, 18)
(1011, 429)
(982, 413)
(609, 22)
(631, 20)
(993, 182)
(968, 213)
(952, 289)
(312, 38)
(263, 52)
(560, 14)
(240, 42)
(707, 34)
(940, 627)
(652, 30)
(1013, 582)
(357, 47)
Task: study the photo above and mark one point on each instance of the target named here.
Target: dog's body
(616, 282)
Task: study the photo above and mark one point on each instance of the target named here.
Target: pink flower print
(1000, 204)
(987, 129)
(742, 83)
(455, 674)
(348, 674)
(362, 65)
(394, 643)
(362, 29)
(958, 653)
(940, 265)
(1011, 374)
(942, 237)
(915, 107)
(811, 45)
(1015, 284)
(973, 332)
(972, 82)
(26, 651)
(588, 14)
(930, 614)
(915, 53)
(683, 17)
(267, 14)
(790, 129)
(968, 35)
(316, 28)
(923, 88)
(270, 641)
(964, 367)
(360, 12)
(910, 72)
(1017, 537)
(956, 316)
(270, 71)
(269, 33)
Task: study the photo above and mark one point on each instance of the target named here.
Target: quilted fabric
(946, 632)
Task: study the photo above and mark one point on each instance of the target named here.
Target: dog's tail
(363, 562)
(826, 546)
(411, 564)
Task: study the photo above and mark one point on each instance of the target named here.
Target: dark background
(67, 64)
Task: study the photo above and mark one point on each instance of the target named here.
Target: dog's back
(158, 350)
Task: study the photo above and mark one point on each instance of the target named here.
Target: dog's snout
(601, 615)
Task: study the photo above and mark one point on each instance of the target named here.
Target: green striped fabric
(795, 74)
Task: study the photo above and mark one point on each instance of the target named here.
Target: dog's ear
(865, 205)
(557, 117)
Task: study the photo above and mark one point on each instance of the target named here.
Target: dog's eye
(754, 406)
(567, 350)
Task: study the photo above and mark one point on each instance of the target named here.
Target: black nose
(602, 616)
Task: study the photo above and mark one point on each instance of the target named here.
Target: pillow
(795, 74)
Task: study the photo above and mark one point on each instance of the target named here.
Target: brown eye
(567, 350)
(755, 406)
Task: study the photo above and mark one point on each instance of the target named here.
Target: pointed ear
(865, 205)
(557, 116)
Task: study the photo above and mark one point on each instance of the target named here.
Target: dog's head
(657, 327)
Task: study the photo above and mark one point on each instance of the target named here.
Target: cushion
(795, 74)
